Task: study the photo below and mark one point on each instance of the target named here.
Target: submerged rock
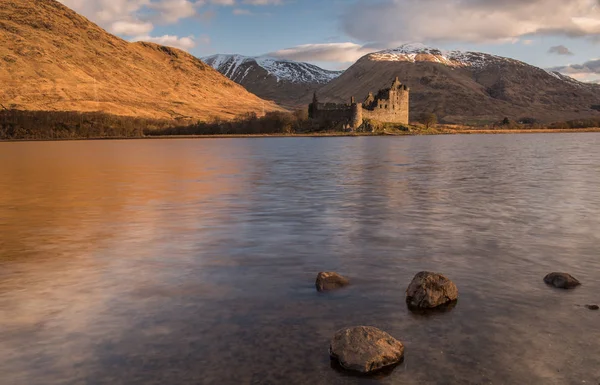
(430, 290)
(561, 280)
(593, 307)
(330, 281)
(365, 349)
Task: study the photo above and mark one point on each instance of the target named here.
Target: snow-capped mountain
(419, 53)
(468, 86)
(287, 82)
(238, 67)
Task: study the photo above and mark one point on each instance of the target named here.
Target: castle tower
(356, 119)
(313, 108)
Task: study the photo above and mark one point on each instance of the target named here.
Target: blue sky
(334, 33)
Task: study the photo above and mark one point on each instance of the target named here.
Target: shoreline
(446, 131)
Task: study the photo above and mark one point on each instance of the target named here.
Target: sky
(562, 35)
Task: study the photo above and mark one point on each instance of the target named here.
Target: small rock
(561, 281)
(330, 281)
(430, 290)
(593, 307)
(365, 349)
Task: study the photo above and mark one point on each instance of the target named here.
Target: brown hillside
(51, 58)
(478, 88)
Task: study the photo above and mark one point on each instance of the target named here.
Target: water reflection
(187, 262)
(442, 309)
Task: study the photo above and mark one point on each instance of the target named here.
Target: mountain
(463, 87)
(53, 59)
(287, 82)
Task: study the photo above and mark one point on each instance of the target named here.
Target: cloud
(589, 67)
(587, 72)
(171, 11)
(560, 50)
(329, 52)
(242, 12)
(472, 21)
(107, 12)
(263, 2)
(136, 18)
(184, 43)
(131, 28)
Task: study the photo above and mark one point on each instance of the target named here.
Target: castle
(390, 105)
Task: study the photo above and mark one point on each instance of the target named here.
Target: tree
(429, 120)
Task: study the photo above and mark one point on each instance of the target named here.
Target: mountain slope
(51, 58)
(287, 82)
(462, 87)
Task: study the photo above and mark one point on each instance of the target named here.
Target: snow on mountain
(568, 79)
(237, 68)
(419, 52)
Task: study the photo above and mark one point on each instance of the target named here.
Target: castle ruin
(390, 105)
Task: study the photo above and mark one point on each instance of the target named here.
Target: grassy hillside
(52, 59)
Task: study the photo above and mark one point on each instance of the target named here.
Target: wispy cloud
(241, 12)
(185, 43)
(473, 21)
(136, 19)
(560, 50)
(588, 71)
(328, 52)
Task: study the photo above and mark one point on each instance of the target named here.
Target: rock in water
(430, 290)
(593, 307)
(365, 349)
(330, 281)
(561, 280)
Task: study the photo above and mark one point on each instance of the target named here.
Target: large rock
(430, 290)
(365, 349)
(561, 280)
(330, 281)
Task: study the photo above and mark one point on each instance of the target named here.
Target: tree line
(18, 124)
(44, 125)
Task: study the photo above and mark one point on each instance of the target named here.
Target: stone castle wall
(390, 105)
(390, 110)
(347, 115)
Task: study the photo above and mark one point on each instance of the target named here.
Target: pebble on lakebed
(561, 281)
(430, 290)
(593, 307)
(365, 349)
(327, 281)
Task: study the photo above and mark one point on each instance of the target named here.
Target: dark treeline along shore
(59, 125)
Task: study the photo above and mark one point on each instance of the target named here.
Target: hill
(468, 87)
(287, 82)
(53, 59)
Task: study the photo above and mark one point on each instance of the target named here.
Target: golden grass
(53, 59)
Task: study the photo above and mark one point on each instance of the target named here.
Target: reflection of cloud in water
(77, 220)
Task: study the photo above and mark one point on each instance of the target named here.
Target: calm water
(193, 261)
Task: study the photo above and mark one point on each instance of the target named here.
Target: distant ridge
(468, 87)
(53, 59)
(288, 82)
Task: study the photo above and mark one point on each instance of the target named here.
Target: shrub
(429, 120)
